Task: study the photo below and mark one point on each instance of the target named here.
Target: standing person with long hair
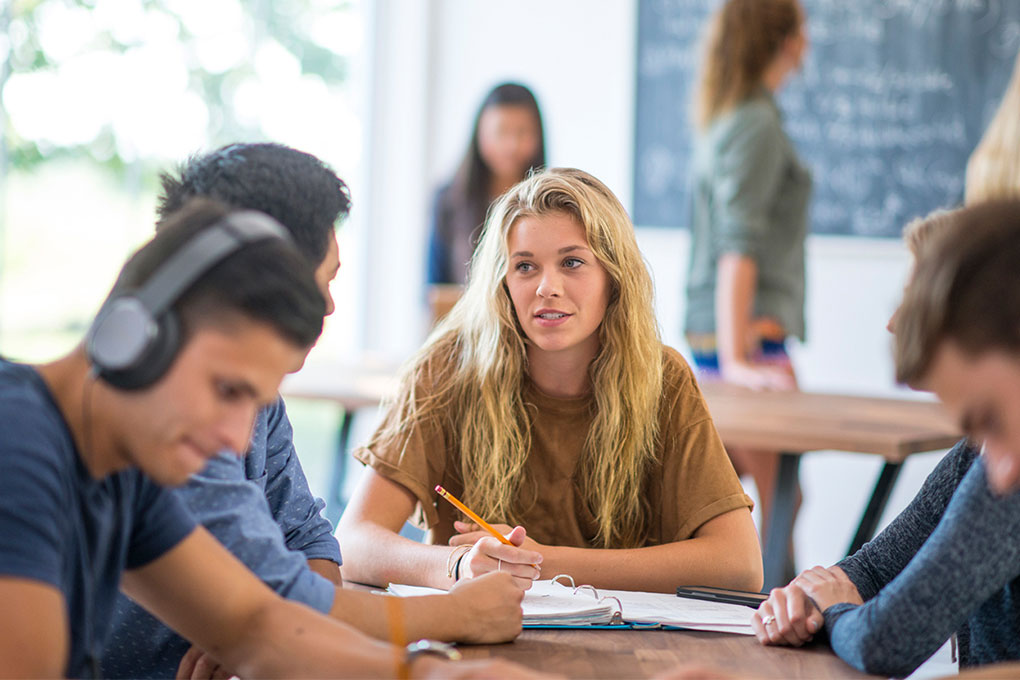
(745, 287)
(506, 143)
(546, 400)
(993, 170)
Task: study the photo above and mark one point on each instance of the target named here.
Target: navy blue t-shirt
(60, 526)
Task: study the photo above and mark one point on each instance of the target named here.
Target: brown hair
(741, 40)
(964, 289)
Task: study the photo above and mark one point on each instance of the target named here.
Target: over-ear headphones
(136, 334)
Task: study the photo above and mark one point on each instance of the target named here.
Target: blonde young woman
(745, 286)
(993, 170)
(547, 403)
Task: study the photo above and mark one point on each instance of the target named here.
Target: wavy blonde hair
(742, 39)
(993, 171)
(481, 398)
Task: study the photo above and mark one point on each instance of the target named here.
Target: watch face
(443, 649)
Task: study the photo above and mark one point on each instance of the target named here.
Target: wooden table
(644, 654)
(790, 422)
(647, 653)
(797, 422)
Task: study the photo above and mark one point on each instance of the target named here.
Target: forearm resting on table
(376, 555)
(725, 554)
(272, 647)
(736, 283)
(202, 592)
(430, 616)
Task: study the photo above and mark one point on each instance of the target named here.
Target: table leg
(335, 500)
(876, 505)
(777, 560)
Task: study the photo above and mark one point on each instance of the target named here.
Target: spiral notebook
(558, 603)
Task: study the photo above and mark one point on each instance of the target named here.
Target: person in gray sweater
(950, 563)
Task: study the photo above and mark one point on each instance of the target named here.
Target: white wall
(434, 63)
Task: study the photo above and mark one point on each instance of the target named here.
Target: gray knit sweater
(949, 563)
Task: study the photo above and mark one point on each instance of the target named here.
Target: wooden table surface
(807, 421)
(644, 654)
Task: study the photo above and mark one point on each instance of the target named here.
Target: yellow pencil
(467, 511)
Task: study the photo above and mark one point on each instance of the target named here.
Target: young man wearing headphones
(200, 328)
(260, 506)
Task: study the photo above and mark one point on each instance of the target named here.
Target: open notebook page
(545, 603)
(556, 604)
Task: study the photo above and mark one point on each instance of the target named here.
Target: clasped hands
(522, 560)
(792, 615)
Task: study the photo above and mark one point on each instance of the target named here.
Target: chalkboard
(892, 98)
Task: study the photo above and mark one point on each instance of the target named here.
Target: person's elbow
(355, 540)
(746, 572)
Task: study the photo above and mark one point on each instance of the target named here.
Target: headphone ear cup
(155, 361)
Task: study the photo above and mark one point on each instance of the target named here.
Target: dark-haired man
(200, 328)
(260, 506)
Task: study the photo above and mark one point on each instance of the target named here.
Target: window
(99, 97)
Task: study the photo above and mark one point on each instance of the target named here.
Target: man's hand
(489, 607)
(197, 665)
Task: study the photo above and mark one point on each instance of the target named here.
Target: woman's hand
(787, 617)
(522, 560)
(828, 586)
(792, 615)
(757, 377)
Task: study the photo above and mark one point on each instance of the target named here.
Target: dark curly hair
(297, 189)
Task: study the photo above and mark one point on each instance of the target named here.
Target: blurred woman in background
(506, 143)
(745, 289)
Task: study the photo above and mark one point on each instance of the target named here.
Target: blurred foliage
(288, 23)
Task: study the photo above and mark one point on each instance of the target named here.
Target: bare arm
(375, 553)
(481, 611)
(327, 569)
(723, 552)
(33, 630)
(736, 284)
(204, 593)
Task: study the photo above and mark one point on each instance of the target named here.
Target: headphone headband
(202, 253)
(136, 335)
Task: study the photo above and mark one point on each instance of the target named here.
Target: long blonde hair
(481, 398)
(993, 170)
(742, 39)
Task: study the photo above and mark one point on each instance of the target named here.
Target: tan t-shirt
(691, 482)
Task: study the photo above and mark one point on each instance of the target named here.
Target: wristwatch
(443, 650)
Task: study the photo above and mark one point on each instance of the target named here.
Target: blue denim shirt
(259, 506)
